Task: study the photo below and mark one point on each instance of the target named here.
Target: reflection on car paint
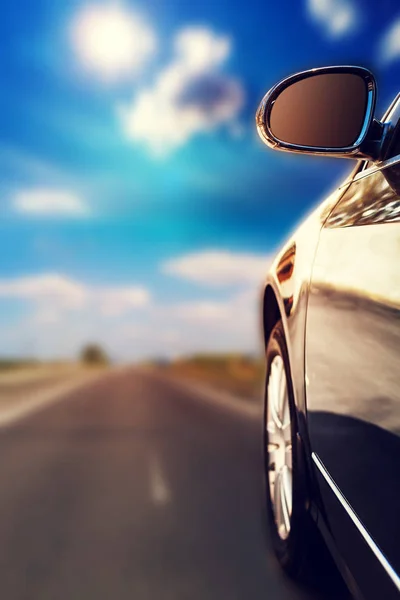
(367, 201)
(352, 361)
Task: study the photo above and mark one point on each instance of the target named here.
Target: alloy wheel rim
(279, 450)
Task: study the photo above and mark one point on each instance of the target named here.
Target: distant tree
(94, 354)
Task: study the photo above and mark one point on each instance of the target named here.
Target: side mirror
(323, 111)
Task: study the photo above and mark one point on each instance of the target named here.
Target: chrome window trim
(384, 164)
(357, 522)
(381, 166)
(391, 109)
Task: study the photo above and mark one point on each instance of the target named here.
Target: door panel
(353, 361)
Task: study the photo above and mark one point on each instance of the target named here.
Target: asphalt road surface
(132, 488)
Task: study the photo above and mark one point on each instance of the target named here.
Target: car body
(335, 289)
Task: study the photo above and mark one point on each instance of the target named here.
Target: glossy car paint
(336, 286)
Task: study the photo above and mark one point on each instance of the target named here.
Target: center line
(159, 490)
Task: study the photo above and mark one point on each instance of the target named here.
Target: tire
(291, 543)
(302, 553)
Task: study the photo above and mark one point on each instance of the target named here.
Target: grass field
(9, 364)
(233, 373)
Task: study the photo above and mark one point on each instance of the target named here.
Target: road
(132, 487)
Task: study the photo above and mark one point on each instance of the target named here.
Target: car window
(372, 199)
(369, 200)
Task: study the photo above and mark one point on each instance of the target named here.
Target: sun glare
(111, 41)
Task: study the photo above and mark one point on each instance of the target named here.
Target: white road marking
(159, 491)
(38, 400)
(251, 409)
(245, 408)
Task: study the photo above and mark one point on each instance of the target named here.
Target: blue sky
(139, 208)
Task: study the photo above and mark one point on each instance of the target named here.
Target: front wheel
(291, 527)
(296, 540)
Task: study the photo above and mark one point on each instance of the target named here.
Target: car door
(353, 377)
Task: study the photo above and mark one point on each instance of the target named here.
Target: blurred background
(139, 208)
(139, 215)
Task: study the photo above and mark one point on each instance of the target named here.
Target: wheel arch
(271, 312)
(274, 311)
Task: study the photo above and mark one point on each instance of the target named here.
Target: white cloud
(188, 97)
(116, 301)
(200, 49)
(230, 324)
(336, 17)
(53, 293)
(112, 41)
(218, 268)
(49, 202)
(206, 311)
(239, 306)
(52, 287)
(61, 315)
(390, 44)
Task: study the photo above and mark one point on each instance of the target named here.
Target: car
(331, 321)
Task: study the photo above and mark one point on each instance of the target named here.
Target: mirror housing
(327, 111)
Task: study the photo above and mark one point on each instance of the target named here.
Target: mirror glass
(323, 111)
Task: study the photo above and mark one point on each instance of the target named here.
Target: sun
(111, 41)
